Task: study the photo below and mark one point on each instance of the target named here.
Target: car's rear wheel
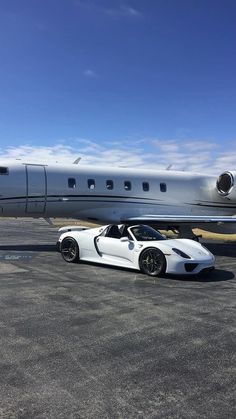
(152, 262)
(70, 250)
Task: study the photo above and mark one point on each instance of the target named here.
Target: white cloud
(124, 11)
(200, 156)
(90, 73)
(28, 153)
(166, 146)
(199, 145)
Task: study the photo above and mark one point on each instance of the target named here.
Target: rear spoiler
(72, 228)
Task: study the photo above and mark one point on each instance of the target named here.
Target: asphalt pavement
(87, 341)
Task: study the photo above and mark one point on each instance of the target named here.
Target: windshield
(146, 233)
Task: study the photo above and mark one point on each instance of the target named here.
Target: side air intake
(225, 184)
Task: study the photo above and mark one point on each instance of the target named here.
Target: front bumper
(178, 266)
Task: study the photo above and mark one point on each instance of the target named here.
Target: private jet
(168, 199)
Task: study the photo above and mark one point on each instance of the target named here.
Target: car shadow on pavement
(218, 275)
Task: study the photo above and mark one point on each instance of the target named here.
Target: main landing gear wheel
(70, 250)
(152, 262)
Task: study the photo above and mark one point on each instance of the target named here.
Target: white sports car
(136, 247)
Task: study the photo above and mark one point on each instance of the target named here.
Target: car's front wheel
(152, 262)
(70, 250)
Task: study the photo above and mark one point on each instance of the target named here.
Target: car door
(117, 249)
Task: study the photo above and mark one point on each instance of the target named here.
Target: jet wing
(177, 220)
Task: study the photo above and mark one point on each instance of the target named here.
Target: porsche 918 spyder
(137, 247)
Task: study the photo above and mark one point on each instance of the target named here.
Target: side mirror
(124, 239)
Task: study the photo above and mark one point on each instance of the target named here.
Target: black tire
(152, 262)
(70, 250)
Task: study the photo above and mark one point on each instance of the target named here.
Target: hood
(190, 247)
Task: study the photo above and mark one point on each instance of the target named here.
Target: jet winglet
(77, 160)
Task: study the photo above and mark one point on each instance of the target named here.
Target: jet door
(36, 185)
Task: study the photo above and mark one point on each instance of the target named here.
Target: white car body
(95, 246)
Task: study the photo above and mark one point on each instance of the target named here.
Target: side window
(163, 187)
(71, 182)
(109, 184)
(91, 183)
(4, 171)
(145, 186)
(127, 185)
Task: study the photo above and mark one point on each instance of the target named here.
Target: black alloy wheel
(152, 262)
(70, 250)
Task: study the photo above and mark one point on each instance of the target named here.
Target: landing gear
(185, 232)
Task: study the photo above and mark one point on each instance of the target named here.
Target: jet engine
(226, 185)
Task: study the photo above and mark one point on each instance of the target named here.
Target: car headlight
(180, 253)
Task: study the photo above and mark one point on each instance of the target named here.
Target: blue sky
(147, 83)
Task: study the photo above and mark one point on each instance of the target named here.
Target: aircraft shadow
(222, 249)
(29, 247)
(218, 275)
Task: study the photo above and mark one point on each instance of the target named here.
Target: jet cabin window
(109, 184)
(145, 186)
(163, 187)
(71, 182)
(91, 183)
(127, 185)
(4, 171)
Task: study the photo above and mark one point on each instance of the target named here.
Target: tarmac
(87, 341)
